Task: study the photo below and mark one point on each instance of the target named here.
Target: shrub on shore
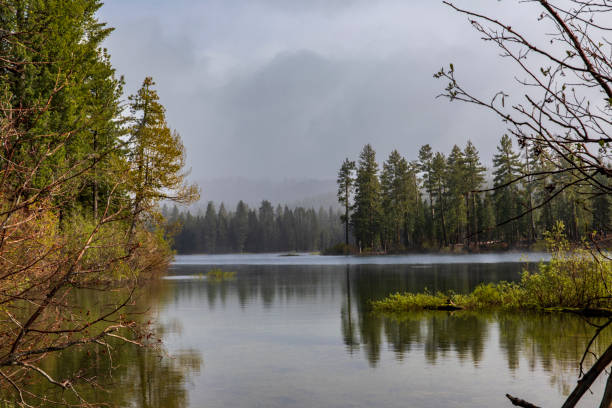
(573, 279)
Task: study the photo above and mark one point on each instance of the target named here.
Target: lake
(297, 331)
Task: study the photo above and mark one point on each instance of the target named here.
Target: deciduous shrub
(572, 279)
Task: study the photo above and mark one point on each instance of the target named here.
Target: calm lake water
(297, 331)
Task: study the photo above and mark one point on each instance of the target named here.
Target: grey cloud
(299, 115)
(286, 89)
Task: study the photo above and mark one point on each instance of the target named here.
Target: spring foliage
(573, 279)
(79, 188)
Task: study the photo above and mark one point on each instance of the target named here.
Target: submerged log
(449, 308)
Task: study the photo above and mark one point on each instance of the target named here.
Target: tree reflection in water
(274, 300)
(124, 374)
(554, 342)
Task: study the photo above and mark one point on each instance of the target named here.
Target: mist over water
(310, 259)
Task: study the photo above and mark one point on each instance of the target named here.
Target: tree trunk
(467, 220)
(475, 216)
(95, 179)
(346, 216)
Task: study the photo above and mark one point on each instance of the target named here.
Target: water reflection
(304, 336)
(120, 374)
(538, 343)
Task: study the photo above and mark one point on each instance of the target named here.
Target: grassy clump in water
(573, 280)
(218, 275)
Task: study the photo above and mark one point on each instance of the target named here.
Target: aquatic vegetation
(573, 280)
(219, 275)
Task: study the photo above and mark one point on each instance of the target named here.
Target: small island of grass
(573, 281)
(219, 275)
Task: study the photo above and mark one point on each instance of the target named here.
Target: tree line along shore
(436, 203)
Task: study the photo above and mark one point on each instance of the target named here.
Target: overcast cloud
(283, 89)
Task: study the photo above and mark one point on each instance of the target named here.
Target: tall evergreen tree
(240, 226)
(455, 189)
(367, 211)
(210, 228)
(397, 196)
(53, 65)
(267, 233)
(507, 167)
(425, 167)
(438, 179)
(222, 243)
(346, 182)
(474, 178)
(156, 171)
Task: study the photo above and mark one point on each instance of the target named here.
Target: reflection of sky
(273, 337)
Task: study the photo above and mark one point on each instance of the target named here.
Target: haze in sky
(286, 89)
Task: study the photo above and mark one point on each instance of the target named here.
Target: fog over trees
(262, 229)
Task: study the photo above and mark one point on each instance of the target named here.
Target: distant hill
(305, 193)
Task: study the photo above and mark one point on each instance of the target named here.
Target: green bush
(573, 279)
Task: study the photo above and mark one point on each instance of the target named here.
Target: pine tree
(507, 167)
(156, 171)
(240, 226)
(346, 182)
(266, 223)
(455, 189)
(474, 177)
(418, 210)
(367, 212)
(59, 79)
(222, 244)
(425, 167)
(438, 176)
(210, 229)
(397, 197)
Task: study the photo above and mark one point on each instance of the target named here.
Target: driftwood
(520, 403)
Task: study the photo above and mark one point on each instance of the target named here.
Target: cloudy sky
(285, 89)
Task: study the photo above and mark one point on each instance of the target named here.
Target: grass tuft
(219, 275)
